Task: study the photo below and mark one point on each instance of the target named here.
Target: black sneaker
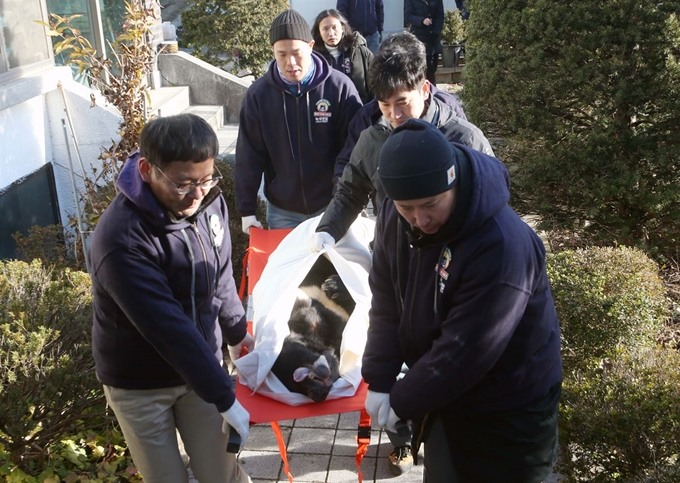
(400, 460)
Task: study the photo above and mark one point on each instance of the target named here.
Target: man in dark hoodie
(293, 123)
(164, 302)
(397, 76)
(479, 332)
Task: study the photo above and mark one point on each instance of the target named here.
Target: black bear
(308, 362)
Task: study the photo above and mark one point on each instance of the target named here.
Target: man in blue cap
(461, 295)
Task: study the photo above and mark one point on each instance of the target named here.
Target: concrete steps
(168, 101)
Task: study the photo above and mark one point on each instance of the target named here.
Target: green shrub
(621, 421)
(606, 297)
(235, 30)
(100, 457)
(585, 94)
(48, 385)
(239, 240)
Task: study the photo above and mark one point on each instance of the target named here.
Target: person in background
(461, 295)
(460, 5)
(164, 301)
(343, 48)
(366, 17)
(426, 19)
(292, 126)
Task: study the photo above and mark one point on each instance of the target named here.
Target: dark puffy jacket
(353, 62)
(468, 309)
(160, 287)
(365, 16)
(360, 181)
(293, 140)
(370, 113)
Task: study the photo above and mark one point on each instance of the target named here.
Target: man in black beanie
(292, 125)
(461, 295)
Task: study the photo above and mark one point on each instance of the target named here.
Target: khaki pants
(149, 418)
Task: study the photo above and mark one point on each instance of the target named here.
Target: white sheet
(274, 296)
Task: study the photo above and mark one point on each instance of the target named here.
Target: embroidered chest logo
(322, 113)
(347, 66)
(444, 262)
(216, 230)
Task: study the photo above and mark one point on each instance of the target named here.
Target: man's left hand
(236, 350)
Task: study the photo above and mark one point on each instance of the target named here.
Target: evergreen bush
(48, 385)
(621, 421)
(606, 297)
(585, 95)
(232, 34)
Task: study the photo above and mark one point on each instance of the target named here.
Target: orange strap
(244, 274)
(363, 440)
(282, 449)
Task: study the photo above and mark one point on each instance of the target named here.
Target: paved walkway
(320, 449)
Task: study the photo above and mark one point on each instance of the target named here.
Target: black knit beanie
(289, 25)
(417, 161)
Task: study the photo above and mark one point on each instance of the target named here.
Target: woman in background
(343, 48)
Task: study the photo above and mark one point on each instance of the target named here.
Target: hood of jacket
(483, 190)
(134, 188)
(321, 73)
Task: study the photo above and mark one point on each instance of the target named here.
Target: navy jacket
(365, 16)
(293, 140)
(160, 288)
(369, 115)
(415, 11)
(468, 309)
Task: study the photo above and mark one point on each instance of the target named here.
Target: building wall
(394, 11)
(32, 134)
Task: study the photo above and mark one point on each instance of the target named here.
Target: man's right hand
(238, 417)
(249, 221)
(318, 240)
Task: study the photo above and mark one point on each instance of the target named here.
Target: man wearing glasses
(164, 301)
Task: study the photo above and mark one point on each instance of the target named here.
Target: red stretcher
(266, 410)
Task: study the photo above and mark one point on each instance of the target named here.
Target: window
(22, 40)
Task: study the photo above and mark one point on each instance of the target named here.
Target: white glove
(238, 417)
(235, 350)
(318, 240)
(378, 407)
(247, 222)
(392, 420)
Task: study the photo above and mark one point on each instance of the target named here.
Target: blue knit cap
(417, 161)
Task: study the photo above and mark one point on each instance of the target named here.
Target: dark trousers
(432, 55)
(518, 446)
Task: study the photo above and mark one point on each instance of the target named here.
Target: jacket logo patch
(322, 113)
(217, 230)
(347, 66)
(444, 262)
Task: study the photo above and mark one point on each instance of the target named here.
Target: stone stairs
(168, 101)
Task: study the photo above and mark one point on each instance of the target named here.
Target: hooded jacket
(160, 286)
(353, 62)
(365, 16)
(360, 181)
(292, 140)
(468, 309)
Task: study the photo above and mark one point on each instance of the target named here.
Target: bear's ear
(301, 374)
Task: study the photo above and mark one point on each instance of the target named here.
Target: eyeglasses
(185, 189)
